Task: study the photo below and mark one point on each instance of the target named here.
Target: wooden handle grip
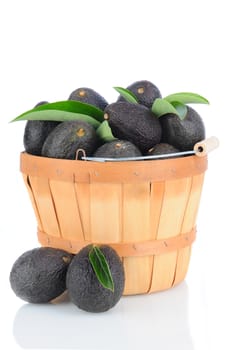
(203, 147)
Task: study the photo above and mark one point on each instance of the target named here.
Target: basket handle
(203, 147)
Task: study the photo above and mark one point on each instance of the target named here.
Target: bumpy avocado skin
(162, 148)
(35, 133)
(89, 96)
(64, 141)
(145, 91)
(85, 290)
(118, 149)
(39, 275)
(135, 123)
(183, 134)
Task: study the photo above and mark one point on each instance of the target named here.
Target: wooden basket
(146, 210)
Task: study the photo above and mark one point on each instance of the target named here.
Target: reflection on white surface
(158, 321)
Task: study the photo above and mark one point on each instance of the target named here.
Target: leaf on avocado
(69, 106)
(161, 107)
(127, 94)
(104, 132)
(180, 108)
(101, 268)
(186, 97)
(57, 115)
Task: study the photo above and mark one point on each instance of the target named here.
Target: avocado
(69, 137)
(145, 91)
(117, 149)
(135, 123)
(39, 275)
(162, 148)
(35, 133)
(83, 286)
(182, 134)
(41, 103)
(89, 96)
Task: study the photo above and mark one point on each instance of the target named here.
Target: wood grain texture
(105, 212)
(136, 212)
(156, 204)
(32, 197)
(175, 199)
(136, 226)
(189, 221)
(137, 274)
(46, 207)
(83, 199)
(63, 195)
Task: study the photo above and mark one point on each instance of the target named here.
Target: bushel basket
(146, 210)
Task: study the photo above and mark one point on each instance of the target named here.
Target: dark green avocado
(39, 275)
(135, 123)
(89, 96)
(145, 91)
(35, 133)
(69, 137)
(85, 290)
(117, 149)
(41, 103)
(162, 148)
(182, 134)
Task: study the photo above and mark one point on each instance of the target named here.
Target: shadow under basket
(145, 210)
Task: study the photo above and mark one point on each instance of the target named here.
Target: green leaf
(65, 106)
(180, 108)
(56, 115)
(186, 97)
(101, 268)
(161, 107)
(104, 132)
(127, 94)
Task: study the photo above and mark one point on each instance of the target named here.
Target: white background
(48, 49)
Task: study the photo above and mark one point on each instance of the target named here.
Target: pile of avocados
(94, 277)
(139, 123)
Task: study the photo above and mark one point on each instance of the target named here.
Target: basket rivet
(136, 173)
(59, 172)
(173, 171)
(96, 173)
